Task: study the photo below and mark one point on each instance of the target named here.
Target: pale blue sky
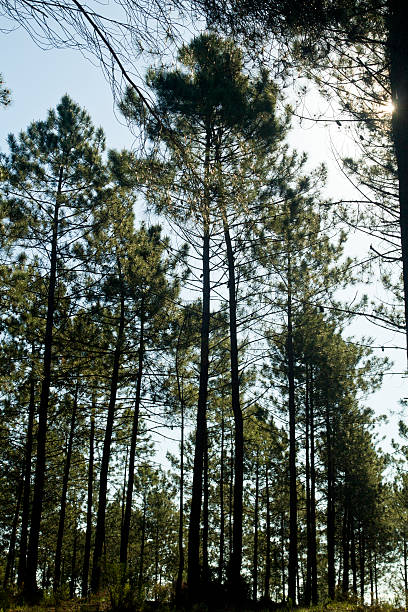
(39, 78)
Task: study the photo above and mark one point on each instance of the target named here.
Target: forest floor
(103, 606)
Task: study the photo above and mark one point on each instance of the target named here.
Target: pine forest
(203, 327)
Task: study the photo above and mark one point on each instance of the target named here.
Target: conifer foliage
(119, 342)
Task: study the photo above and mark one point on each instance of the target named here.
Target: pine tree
(54, 159)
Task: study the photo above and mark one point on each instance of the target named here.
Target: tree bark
(197, 486)
(361, 546)
(39, 477)
(13, 537)
(103, 480)
(88, 533)
(236, 557)
(268, 539)
(370, 560)
(346, 550)
(293, 540)
(124, 541)
(63, 503)
(313, 543)
(330, 514)
(73, 565)
(256, 520)
(22, 561)
(308, 582)
(282, 534)
(222, 516)
(180, 570)
(231, 498)
(405, 570)
(142, 545)
(398, 62)
(205, 569)
(353, 554)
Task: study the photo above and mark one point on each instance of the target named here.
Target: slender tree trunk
(13, 537)
(180, 571)
(353, 554)
(88, 533)
(256, 521)
(330, 516)
(405, 570)
(361, 545)
(103, 479)
(22, 561)
(39, 477)
(195, 509)
(142, 545)
(205, 570)
(222, 516)
(375, 578)
(293, 540)
(63, 503)
(370, 560)
(346, 551)
(124, 541)
(398, 62)
(313, 543)
(308, 582)
(268, 538)
(282, 530)
(125, 477)
(231, 499)
(236, 557)
(156, 557)
(73, 565)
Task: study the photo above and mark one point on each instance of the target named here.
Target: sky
(39, 78)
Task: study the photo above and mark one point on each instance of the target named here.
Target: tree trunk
(13, 537)
(73, 565)
(282, 534)
(370, 559)
(22, 561)
(125, 477)
(268, 538)
(205, 570)
(195, 509)
(353, 554)
(222, 516)
(313, 543)
(124, 541)
(293, 543)
(180, 571)
(308, 582)
(142, 545)
(376, 579)
(256, 520)
(39, 477)
(330, 515)
(361, 546)
(88, 533)
(231, 498)
(103, 480)
(63, 503)
(236, 557)
(405, 570)
(398, 62)
(346, 550)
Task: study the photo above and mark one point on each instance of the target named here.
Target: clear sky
(39, 78)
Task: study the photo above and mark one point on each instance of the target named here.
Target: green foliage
(5, 97)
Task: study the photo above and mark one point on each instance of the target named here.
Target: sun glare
(388, 108)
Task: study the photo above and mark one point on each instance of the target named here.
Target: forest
(186, 413)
